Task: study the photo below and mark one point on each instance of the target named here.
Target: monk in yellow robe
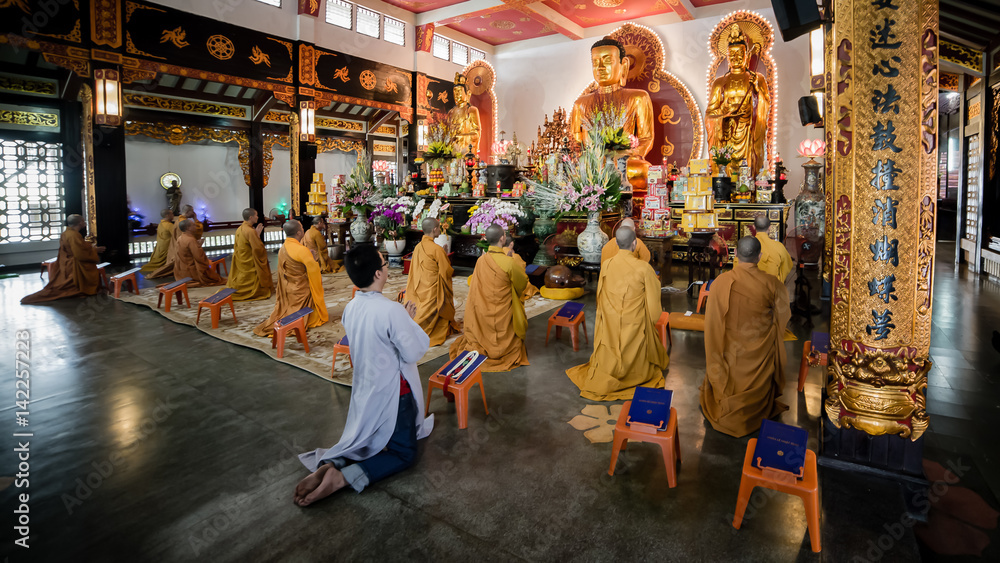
(628, 352)
(315, 240)
(429, 286)
(299, 282)
(167, 269)
(774, 257)
(191, 261)
(495, 322)
(744, 346)
(75, 273)
(164, 238)
(611, 249)
(197, 228)
(250, 272)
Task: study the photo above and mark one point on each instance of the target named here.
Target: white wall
(534, 80)
(212, 180)
(278, 189)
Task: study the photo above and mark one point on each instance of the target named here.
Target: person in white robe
(386, 414)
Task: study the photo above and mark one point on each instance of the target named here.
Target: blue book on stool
(781, 446)
(469, 370)
(344, 342)
(821, 342)
(530, 268)
(570, 310)
(651, 406)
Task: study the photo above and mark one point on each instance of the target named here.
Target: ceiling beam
(156, 89)
(550, 18)
(455, 10)
(683, 8)
(970, 20)
(961, 40)
(69, 87)
(263, 102)
(372, 127)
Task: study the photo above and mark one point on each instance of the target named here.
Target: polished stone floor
(155, 442)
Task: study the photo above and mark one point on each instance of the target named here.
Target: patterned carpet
(337, 288)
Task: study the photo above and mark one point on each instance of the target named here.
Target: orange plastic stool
(104, 274)
(460, 390)
(170, 290)
(663, 325)
(400, 296)
(573, 326)
(782, 481)
(296, 323)
(48, 266)
(118, 280)
(703, 295)
(354, 289)
(214, 305)
(220, 261)
(667, 440)
(812, 357)
(341, 347)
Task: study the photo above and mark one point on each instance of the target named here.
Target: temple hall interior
(530, 280)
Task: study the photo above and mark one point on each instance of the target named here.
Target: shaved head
(494, 234)
(248, 213)
(185, 225)
(428, 225)
(74, 220)
(628, 222)
(762, 223)
(748, 250)
(187, 209)
(625, 237)
(166, 213)
(292, 228)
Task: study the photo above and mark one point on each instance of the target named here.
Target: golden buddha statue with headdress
(611, 68)
(739, 104)
(464, 119)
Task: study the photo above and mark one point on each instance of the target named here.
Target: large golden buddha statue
(464, 118)
(611, 71)
(738, 105)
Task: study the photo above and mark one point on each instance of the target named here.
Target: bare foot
(333, 481)
(310, 483)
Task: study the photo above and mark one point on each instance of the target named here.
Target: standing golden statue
(739, 103)
(611, 71)
(465, 119)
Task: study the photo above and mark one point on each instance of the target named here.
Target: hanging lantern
(107, 98)
(307, 117)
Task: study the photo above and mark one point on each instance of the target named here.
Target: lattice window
(32, 193)
(974, 160)
(276, 3)
(369, 22)
(441, 48)
(459, 53)
(476, 54)
(340, 13)
(395, 31)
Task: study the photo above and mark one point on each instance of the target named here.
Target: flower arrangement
(493, 211)
(592, 183)
(609, 120)
(359, 191)
(440, 138)
(721, 155)
(389, 218)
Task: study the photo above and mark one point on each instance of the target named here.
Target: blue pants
(399, 454)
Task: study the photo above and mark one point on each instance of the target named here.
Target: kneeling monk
(299, 283)
(429, 286)
(75, 273)
(744, 345)
(164, 239)
(191, 261)
(628, 351)
(495, 322)
(250, 273)
(386, 415)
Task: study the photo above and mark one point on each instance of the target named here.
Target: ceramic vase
(592, 239)
(395, 247)
(361, 229)
(544, 227)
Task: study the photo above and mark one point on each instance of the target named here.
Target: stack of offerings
(317, 204)
(436, 177)
(699, 214)
(336, 196)
(656, 205)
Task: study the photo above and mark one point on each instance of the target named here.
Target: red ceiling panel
(590, 13)
(499, 27)
(420, 6)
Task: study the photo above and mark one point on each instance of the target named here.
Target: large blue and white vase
(592, 239)
(361, 229)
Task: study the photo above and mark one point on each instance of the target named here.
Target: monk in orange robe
(429, 286)
(191, 261)
(774, 257)
(315, 240)
(167, 269)
(197, 228)
(164, 238)
(745, 323)
(75, 273)
(250, 272)
(495, 322)
(628, 352)
(611, 249)
(299, 283)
